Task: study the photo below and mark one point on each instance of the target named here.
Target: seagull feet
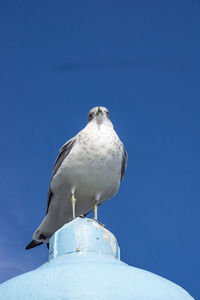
(99, 222)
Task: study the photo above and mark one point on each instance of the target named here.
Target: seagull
(87, 172)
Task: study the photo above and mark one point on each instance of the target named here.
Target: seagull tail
(33, 244)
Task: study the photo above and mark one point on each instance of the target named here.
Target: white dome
(84, 264)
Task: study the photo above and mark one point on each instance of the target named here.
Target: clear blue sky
(141, 59)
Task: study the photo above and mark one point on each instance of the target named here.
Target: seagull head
(99, 114)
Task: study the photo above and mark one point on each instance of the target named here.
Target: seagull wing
(64, 151)
(124, 163)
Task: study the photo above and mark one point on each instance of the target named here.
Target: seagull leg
(95, 210)
(73, 200)
(95, 214)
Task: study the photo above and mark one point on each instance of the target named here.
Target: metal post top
(83, 235)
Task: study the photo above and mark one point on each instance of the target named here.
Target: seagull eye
(90, 116)
(107, 114)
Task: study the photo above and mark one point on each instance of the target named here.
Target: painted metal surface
(84, 264)
(83, 235)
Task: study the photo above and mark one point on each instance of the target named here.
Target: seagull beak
(99, 111)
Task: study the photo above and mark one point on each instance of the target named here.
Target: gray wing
(124, 163)
(64, 151)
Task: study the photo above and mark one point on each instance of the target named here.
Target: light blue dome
(84, 263)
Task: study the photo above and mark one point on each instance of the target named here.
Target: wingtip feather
(33, 244)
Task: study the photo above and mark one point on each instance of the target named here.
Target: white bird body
(91, 171)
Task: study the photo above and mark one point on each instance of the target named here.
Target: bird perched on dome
(87, 172)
